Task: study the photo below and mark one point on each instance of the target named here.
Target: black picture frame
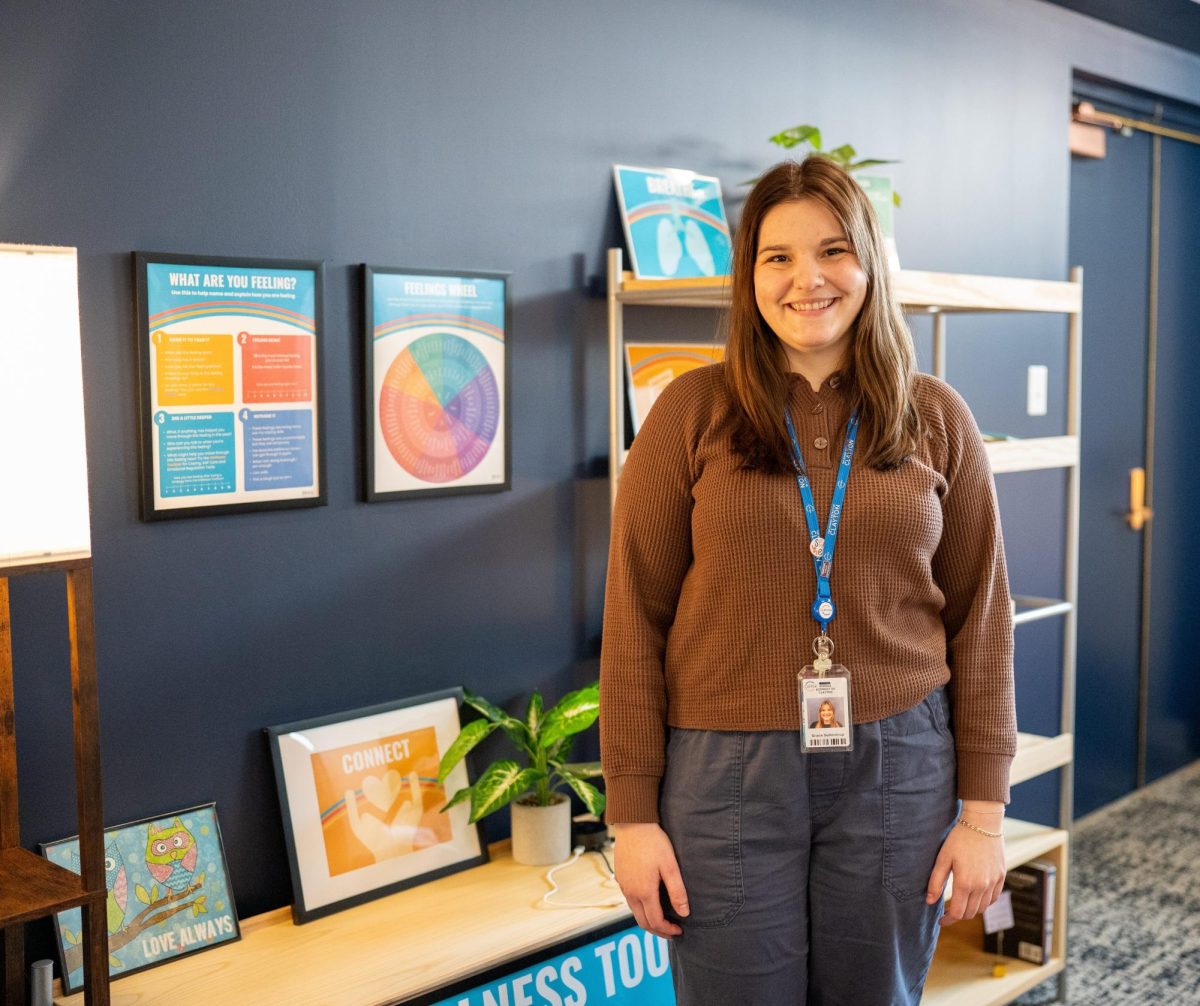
(176, 923)
(321, 856)
(286, 348)
(459, 324)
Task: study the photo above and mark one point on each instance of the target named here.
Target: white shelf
(917, 291)
(1032, 609)
(1032, 454)
(1037, 755)
(1024, 840)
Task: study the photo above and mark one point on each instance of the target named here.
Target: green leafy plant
(544, 738)
(844, 155)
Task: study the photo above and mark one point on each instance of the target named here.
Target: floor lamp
(44, 525)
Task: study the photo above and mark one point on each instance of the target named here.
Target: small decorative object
(878, 188)
(168, 893)
(541, 816)
(361, 798)
(232, 413)
(652, 366)
(437, 382)
(674, 222)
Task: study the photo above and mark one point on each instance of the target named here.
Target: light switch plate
(1038, 390)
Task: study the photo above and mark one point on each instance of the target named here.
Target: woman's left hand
(977, 863)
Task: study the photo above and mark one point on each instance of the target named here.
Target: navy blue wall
(468, 135)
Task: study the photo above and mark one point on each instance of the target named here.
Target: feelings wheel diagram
(439, 408)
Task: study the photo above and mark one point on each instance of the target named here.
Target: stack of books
(1031, 935)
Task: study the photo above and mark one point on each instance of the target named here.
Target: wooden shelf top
(45, 563)
(916, 291)
(387, 950)
(32, 887)
(962, 973)
(426, 937)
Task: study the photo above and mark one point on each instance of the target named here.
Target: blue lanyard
(822, 548)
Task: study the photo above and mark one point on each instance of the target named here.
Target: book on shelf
(1031, 935)
(650, 367)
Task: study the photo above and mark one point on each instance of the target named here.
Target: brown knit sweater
(706, 616)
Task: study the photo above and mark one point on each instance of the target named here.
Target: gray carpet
(1135, 900)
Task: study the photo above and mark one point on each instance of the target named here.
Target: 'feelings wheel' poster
(438, 383)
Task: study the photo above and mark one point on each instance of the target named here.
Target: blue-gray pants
(806, 874)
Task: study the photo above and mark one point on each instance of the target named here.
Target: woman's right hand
(643, 857)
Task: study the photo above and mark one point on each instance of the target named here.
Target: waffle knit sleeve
(969, 568)
(649, 556)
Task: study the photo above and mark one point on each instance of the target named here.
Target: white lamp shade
(43, 456)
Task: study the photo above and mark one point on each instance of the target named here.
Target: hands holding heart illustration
(393, 831)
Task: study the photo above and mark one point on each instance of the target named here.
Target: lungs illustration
(670, 249)
(698, 248)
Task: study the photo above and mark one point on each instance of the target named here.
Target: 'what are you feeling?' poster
(230, 380)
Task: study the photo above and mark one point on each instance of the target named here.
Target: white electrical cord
(611, 881)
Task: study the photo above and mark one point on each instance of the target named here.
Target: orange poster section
(380, 799)
(276, 368)
(193, 368)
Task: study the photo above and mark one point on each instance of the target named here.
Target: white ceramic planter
(541, 835)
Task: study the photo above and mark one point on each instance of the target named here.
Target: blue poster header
(171, 286)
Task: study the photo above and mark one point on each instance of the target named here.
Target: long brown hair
(881, 361)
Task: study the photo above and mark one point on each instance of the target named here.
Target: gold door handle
(1139, 513)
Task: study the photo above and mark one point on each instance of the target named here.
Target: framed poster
(168, 893)
(674, 220)
(437, 382)
(362, 804)
(650, 367)
(232, 411)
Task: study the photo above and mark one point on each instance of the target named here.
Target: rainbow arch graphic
(246, 308)
(675, 209)
(459, 321)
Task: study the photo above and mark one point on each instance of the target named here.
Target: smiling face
(826, 713)
(809, 285)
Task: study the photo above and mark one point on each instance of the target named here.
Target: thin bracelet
(975, 827)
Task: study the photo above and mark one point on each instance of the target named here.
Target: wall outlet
(1039, 380)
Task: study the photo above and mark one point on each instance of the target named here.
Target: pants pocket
(919, 795)
(701, 812)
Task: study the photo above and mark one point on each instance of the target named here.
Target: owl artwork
(171, 855)
(117, 884)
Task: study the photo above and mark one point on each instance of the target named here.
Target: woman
(784, 873)
(826, 717)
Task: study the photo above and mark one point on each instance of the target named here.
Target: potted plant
(844, 155)
(541, 814)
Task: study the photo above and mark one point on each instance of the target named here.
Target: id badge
(824, 691)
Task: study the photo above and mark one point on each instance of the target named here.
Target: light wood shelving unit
(961, 974)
